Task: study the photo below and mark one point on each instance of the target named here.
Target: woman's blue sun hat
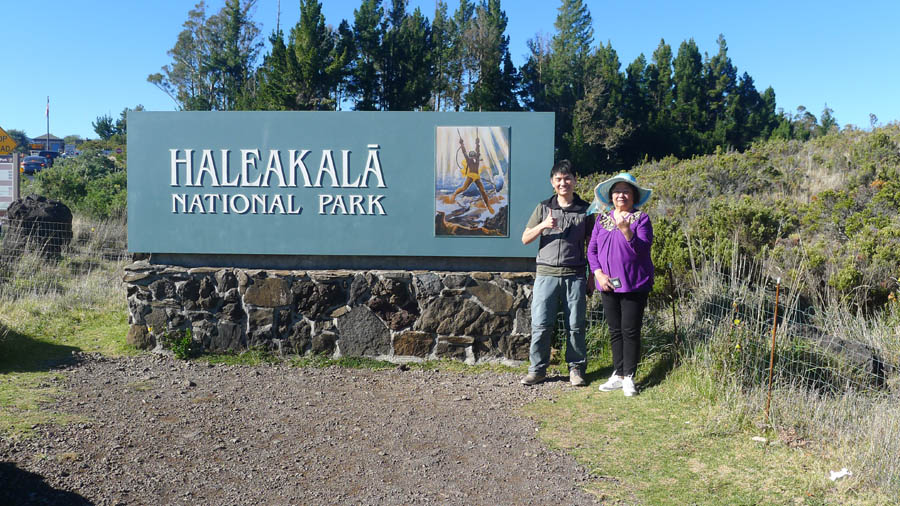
(602, 202)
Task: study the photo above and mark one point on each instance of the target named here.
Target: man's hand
(550, 222)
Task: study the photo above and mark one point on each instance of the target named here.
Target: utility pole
(47, 140)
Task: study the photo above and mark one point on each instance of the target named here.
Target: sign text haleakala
(203, 169)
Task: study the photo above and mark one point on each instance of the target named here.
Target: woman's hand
(622, 224)
(603, 281)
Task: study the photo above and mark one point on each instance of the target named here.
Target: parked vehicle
(33, 164)
(50, 156)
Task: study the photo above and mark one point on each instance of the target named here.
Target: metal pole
(674, 320)
(47, 143)
(772, 355)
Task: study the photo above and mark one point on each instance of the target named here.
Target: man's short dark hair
(563, 167)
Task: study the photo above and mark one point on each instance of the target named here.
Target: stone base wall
(395, 315)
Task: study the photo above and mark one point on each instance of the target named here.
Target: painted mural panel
(471, 181)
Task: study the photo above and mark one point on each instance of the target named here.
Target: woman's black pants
(624, 313)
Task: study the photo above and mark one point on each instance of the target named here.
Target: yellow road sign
(7, 144)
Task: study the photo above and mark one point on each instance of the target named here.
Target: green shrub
(747, 224)
(91, 184)
(182, 343)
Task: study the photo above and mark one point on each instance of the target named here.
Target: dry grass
(820, 395)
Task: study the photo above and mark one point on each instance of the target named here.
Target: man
(564, 229)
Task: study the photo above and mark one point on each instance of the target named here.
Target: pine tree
(273, 81)
(535, 74)
(636, 96)
(441, 53)
(828, 123)
(720, 77)
(570, 49)
(312, 70)
(416, 66)
(496, 77)
(236, 57)
(690, 101)
(460, 62)
(599, 116)
(406, 63)
(368, 29)
(342, 62)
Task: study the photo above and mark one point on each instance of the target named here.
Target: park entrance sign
(397, 184)
(393, 235)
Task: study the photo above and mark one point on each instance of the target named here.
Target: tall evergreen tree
(274, 92)
(748, 112)
(601, 127)
(689, 98)
(636, 97)
(720, 77)
(406, 64)
(313, 72)
(496, 79)
(368, 28)
(417, 66)
(240, 46)
(570, 49)
(535, 74)
(342, 62)
(827, 122)
(768, 118)
(213, 58)
(441, 54)
(460, 62)
(659, 79)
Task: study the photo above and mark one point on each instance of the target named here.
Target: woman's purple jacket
(617, 258)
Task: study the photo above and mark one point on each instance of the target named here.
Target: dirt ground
(159, 431)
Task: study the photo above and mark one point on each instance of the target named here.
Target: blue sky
(92, 58)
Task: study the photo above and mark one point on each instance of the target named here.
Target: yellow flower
(737, 322)
(737, 347)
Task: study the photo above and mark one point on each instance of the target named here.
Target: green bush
(747, 224)
(182, 344)
(91, 184)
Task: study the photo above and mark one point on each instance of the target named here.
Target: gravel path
(159, 431)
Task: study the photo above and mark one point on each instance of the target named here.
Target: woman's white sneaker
(628, 387)
(613, 383)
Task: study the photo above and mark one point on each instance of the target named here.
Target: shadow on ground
(22, 487)
(22, 353)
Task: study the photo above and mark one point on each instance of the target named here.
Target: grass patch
(665, 446)
(37, 343)
(23, 397)
(38, 335)
(43, 322)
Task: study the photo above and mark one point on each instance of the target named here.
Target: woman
(619, 256)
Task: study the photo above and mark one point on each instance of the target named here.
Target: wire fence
(730, 321)
(39, 257)
(759, 331)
